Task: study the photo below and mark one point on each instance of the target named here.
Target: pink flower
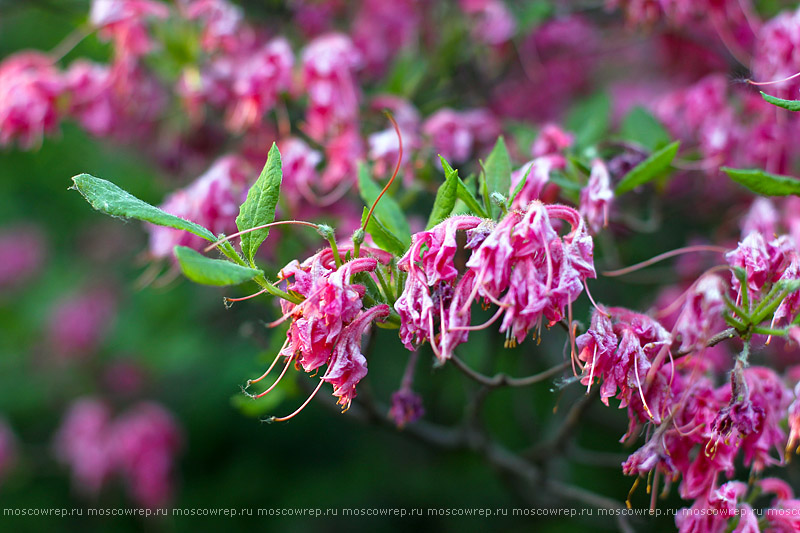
(329, 64)
(494, 24)
(124, 22)
(258, 80)
(384, 145)
(382, 29)
(299, 164)
(342, 151)
(29, 87)
(761, 218)
(144, 442)
(457, 134)
(776, 53)
(92, 102)
(596, 197)
(212, 201)
(81, 444)
(222, 22)
(78, 324)
(348, 365)
(22, 255)
(702, 312)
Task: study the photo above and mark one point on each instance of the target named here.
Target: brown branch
(729, 333)
(503, 380)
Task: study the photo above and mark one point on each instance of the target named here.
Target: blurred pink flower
(8, 449)
(78, 324)
(124, 22)
(29, 88)
(22, 254)
(382, 29)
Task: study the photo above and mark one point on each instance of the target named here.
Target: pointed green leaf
(643, 128)
(649, 169)
(498, 172)
(445, 197)
(520, 185)
(259, 207)
(207, 271)
(466, 195)
(385, 239)
(107, 198)
(387, 210)
(791, 105)
(763, 183)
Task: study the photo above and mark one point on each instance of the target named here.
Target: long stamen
(591, 372)
(666, 255)
(591, 299)
(481, 326)
(762, 83)
(231, 300)
(630, 492)
(641, 392)
(265, 226)
(311, 397)
(274, 362)
(285, 368)
(433, 338)
(396, 168)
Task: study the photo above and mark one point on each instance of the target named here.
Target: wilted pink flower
(382, 29)
(144, 442)
(22, 253)
(29, 88)
(794, 421)
(78, 324)
(524, 266)
(406, 407)
(8, 449)
(124, 22)
(433, 299)
(222, 22)
(212, 201)
(329, 64)
(596, 197)
(791, 303)
(761, 261)
(82, 444)
(258, 80)
(347, 364)
(538, 172)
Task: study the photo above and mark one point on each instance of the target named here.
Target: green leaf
(791, 105)
(445, 197)
(498, 173)
(763, 183)
(520, 185)
(387, 210)
(470, 200)
(589, 119)
(259, 207)
(643, 128)
(385, 239)
(207, 271)
(649, 169)
(107, 198)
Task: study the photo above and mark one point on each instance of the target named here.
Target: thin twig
(503, 380)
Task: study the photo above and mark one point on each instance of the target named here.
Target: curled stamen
(274, 362)
(630, 492)
(666, 255)
(641, 392)
(481, 326)
(311, 397)
(285, 368)
(591, 299)
(231, 300)
(265, 226)
(591, 372)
